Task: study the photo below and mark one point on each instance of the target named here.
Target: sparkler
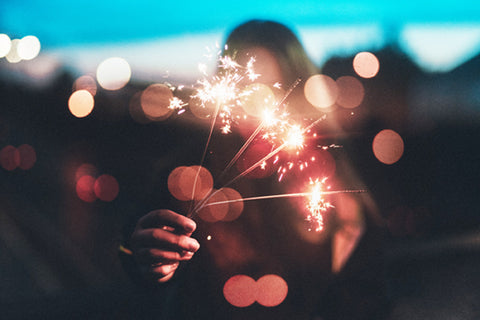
(224, 92)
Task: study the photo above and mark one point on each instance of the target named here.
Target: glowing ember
(317, 204)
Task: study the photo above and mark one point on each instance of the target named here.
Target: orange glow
(181, 183)
(81, 103)
(106, 187)
(351, 92)
(85, 188)
(215, 212)
(5, 45)
(28, 156)
(271, 290)
(28, 48)
(86, 83)
(201, 109)
(204, 182)
(366, 64)
(388, 146)
(240, 290)
(113, 73)
(9, 158)
(260, 98)
(175, 186)
(234, 208)
(321, 91)
(155, 101)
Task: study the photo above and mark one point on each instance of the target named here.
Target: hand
(161, 240)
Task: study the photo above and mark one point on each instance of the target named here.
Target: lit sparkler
(224, 92)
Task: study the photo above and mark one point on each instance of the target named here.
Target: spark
(176, 104)
(295, 137)
(317, 204)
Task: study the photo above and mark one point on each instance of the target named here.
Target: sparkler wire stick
(212, 125)
(242, 149)
(251, 168)
(276, 196)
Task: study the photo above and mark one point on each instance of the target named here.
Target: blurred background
(76, 146)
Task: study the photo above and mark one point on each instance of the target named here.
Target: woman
(269, 238)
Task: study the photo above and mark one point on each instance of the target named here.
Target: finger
(157, 272)
(164, 217)
(163, 239)
(153, 255)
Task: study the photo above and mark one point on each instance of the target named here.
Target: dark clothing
(269, 237)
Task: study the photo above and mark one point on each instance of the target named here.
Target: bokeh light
(9, 158)
(113, 73)
(216, 212)
(366, 64)
(201, 109)
(13, 56)
(321, 91)
(86, 82)
(85, 188)
(351, 92)
(106, 187)
(28, 47)
(5, 44)
(28, 156)
(271, 290)
(388, 146)
(181, 183)
(81, 103)
(261, 97)
(155, 101)
(240, 291)
(235, 209)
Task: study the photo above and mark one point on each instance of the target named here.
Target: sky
(171, 36)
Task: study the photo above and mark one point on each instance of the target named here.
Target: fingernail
(193, 245)
(187, 254)
(190, 226)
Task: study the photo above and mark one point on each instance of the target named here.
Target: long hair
(287, 49)
(279, 40)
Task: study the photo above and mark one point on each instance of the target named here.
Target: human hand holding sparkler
(161, 240)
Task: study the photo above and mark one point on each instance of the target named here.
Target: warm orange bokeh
(321, 91)
(81, 103)
(388, 146)
(271, 290)
(351, 92)
(366, 64)
(240, 291)
(190, 183)
(155, 101)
